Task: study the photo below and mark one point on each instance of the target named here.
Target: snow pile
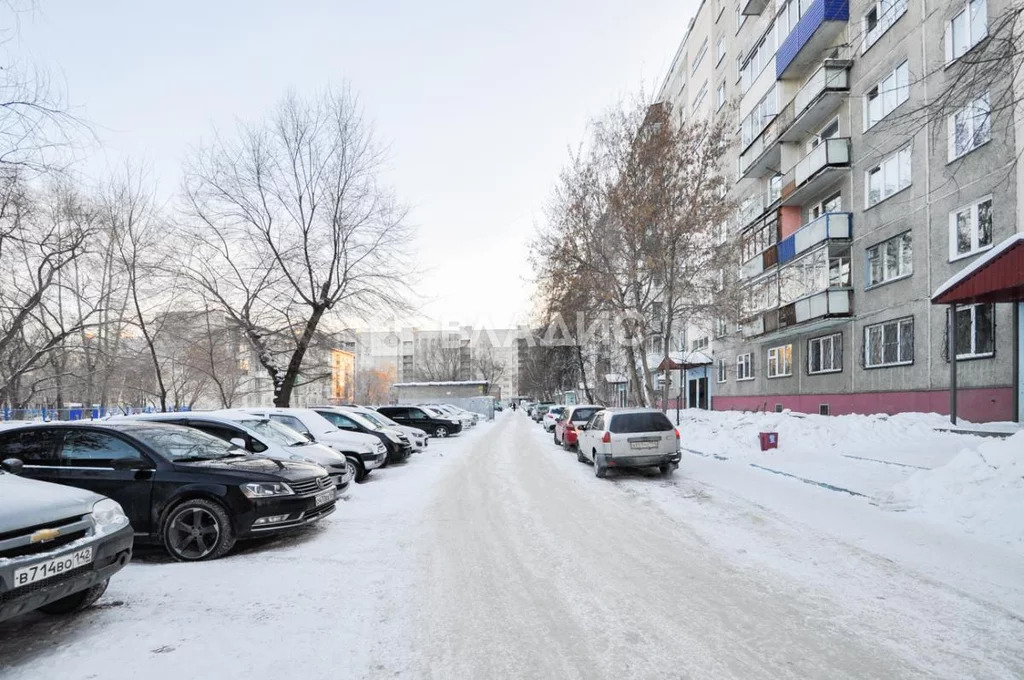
(981, 489)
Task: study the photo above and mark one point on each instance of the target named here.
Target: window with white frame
(702, 93)
(700, 55)
(720, 50)
(890, 343)
(780, 361)
(966, 29)
(700, 343)
(760, 115)
(890, 260)
(758, 59)
(722, 371)
(970, 229)
(970, 127)
(720, 96)
(884, 97)
(721, 328)
(879, 19)
(889, 177)
(745, 367)
(825, 354)
(975, 331)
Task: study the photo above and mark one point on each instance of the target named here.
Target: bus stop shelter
(995, 277)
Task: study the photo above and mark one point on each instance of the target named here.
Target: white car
(370, 451)
(552, 417)
(629, 438)
(417, 437)
(449, 411)
(260, 437)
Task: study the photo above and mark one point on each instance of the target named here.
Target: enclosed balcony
(815, 285)
(829, 227)
(822, 305)
(816, 101)
(816, 170)
(820, 25)
(763, 156)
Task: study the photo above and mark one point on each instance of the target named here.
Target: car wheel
(198, 529)
(666, 468)
(441, 431)
(80, 600)
(353, 470)
(599, 470)
(555, 437)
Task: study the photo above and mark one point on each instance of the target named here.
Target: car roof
(115, 425)
(625, 410)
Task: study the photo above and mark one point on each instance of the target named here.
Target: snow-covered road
(496, 554)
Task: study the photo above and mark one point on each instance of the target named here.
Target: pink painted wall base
(976, 405)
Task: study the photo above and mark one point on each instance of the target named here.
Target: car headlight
(453, 422)
(108, 516)
(380, 448)
(266, 489)
(393, 437)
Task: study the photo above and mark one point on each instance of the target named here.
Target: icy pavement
(498, 555)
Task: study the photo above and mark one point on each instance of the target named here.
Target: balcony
(822, 305)
(761, 262)
(821, 23)
(753, 8)
(816, 101)
(827, 227)
(755, 206)
(816, 170)
(763, 156)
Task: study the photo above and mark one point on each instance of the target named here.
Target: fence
(45, 414)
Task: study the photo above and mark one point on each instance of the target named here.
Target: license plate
(325, 497)
(643, 445)
(51, 568)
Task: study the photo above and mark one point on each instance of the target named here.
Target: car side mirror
(130, 464)
(309, 436)
(12, 465)
(582, 426)
(237, 441)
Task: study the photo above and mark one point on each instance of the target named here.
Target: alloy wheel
(194, 533)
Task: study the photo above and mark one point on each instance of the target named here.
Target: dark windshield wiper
(193, 459)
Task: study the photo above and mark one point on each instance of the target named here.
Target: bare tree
(488, 367)
(440, 359)
(291, 223)
(373, 385)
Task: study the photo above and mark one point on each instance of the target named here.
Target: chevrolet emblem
(44, 535)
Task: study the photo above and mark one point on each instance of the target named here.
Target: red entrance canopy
(997, 276)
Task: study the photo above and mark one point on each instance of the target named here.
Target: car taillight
(607, 438)
(677, 433)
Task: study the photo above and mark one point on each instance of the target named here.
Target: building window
(756, 241)
(758, 59)
(891, 260)
(884, 97)
(721, 371)
(975, 331)
(966, 29)
(880, 18)
(825, 354)
(720, 96)
(780, 361)
(760, 115)
(969, 127)
(745, 367)
(721, 328)
(720, 50)
(890, 343)
(700, 55)
(970, 229)
(889, 177)
(700, 343)
(701, 94)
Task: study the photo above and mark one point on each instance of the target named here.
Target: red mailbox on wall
(769, 440)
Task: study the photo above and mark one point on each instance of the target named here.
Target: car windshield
(275, 432)
(640, 422)
(182, 444)
(363, 420)
(582, 415)
(434, 413)
(378, 419)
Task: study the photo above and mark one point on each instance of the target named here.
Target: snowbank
(981, 489)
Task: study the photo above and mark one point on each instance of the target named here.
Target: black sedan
(398, 445)
(427, 420)
(183, 488)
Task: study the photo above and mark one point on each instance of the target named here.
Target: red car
(573, 417)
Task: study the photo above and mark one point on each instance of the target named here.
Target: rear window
(582, 415)
(640, 422)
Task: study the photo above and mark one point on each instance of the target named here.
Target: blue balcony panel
(815, 31)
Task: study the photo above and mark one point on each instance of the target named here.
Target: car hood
(257, 467)
(28, 502)
(412, 431)
(353, 439)
(319, 453)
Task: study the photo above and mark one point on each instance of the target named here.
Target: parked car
(397, 444)
(191, 492)
(366, 451)
(572, 417)
(551, 417)
(540, 409)
(629, 438)
(59, 546)
(417, 437)
(429, 420)
(467, 418)
(260, 436)
(498, 406)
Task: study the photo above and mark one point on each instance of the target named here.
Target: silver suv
(59, 545)
(629, 438)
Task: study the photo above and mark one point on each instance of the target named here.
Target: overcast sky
(478, 101)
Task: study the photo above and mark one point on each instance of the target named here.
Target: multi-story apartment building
(853, 205)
